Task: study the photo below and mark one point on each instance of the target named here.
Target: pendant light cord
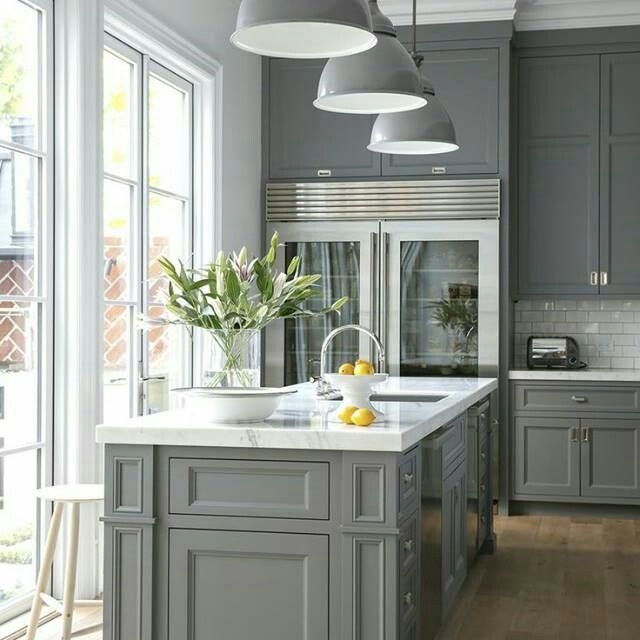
(417, 58)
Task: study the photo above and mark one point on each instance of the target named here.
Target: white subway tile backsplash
(608, 331)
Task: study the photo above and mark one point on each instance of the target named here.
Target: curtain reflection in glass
(339, 265)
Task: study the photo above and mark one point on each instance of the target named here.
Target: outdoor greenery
(15, 556)
(11, 72)
(15, 536)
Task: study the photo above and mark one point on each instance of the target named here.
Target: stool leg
(45, 570)
(70, 572)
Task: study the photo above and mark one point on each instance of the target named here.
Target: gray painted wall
(208, 26)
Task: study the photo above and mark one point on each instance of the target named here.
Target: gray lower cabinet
(266, 585)
(610, 458)
(588, 452)
(305, 142)
(547, 456)
(620, 187)
(467, 82)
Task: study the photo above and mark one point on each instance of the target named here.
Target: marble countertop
(577, 375)
(302, 422)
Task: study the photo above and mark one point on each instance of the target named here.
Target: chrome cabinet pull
(408, 598)
(594, 278)
(408, 478)
(586, 434)
(408, 545)
(604, 278)
(573, 434)
(483, 519)
(579, 398)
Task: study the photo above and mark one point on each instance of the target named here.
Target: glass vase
(232, 359)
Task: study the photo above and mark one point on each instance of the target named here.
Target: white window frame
(143, 32)
(43, 299)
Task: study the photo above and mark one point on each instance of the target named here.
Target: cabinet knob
(483, 488)
(483, 455)
(408, 598)
(408, 478)
(483, 519)
(408, 545)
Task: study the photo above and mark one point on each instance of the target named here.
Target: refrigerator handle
(383, 287)
(373, 289)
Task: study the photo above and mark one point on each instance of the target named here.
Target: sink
(403, 397)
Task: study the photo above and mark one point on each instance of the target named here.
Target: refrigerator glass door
(441, 297)
(342, 253)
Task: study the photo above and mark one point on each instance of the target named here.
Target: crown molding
(449, 11)
(576, 14)
(529, 15)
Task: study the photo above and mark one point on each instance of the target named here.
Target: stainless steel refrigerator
(419, 261)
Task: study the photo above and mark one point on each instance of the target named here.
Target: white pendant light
(381, 80)
(304, 28)
(423, 131)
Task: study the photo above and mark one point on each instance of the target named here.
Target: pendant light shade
(425, 131)
(381, 80)
(304, 28)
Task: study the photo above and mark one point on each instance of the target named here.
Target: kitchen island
(288, 529)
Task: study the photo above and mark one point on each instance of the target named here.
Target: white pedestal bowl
(356, 391)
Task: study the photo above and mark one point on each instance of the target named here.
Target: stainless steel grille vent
(384, 200)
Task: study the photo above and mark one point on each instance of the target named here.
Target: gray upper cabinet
(610, 457)
(620, 186)
(232, 584)
(547, 456)
(305, 142)
(558, 174)
(467, 83)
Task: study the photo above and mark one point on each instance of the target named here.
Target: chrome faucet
(324, 387)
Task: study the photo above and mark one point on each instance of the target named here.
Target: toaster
(553, 353)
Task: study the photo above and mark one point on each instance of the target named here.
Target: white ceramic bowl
(356, 391)
(234, 405)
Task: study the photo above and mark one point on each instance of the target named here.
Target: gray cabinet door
(547, 457)
(303, 140)
(231, 584)
(454, 536)
(467, 84)
(558, 174)
(620, 186)
(610, 458)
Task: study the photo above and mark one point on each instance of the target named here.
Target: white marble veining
(302, 421)
(577, 375)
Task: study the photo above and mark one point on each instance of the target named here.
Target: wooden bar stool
(62, 495)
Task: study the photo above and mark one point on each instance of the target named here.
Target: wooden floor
(554, 579)
(551, 579)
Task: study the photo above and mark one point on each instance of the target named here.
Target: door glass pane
(439, 308)
(118, 115)
(18, 531)
(339, 265)
(168, 137)
(117, 240)
(19, 73)
(167, 237)
(19, 203)
(117, 362)
(19, 375)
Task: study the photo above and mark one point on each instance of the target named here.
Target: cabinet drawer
(408, 594)
(408, 545)
(408, 482)
(576, 398)
(256, 488)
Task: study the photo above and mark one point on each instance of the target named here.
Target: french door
(148, 213)
(344, 254)
(26, 282)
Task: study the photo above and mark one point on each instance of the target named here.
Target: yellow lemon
(364, 369)
(346, 369)
(346, 414)
(363, 417)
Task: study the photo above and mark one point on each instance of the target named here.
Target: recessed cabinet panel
(620, 187)
(610, 458)
(467, 84)
(547, 456)
(303, 140)
(558, 174)
(235, 584)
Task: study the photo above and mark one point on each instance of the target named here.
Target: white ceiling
(528, 14)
